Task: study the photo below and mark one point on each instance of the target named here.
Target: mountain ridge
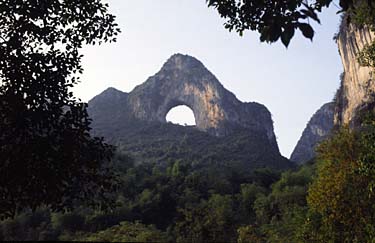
(183, 80)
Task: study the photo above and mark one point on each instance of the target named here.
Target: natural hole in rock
(181, 115)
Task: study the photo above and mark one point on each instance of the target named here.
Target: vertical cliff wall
(356, 93)
(357, 86)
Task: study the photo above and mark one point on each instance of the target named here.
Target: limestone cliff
(357, 87)
(136, 121)
(355, 94)
(317, 129)
(183, 80)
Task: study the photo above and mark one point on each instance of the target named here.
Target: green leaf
(306, 30)
(287, 35)
(310, 13)
(264, 34)
(275, 33)
(211, 2)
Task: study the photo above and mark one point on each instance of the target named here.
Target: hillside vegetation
(328, 200)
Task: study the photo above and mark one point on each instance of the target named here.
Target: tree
(47, 154)
(128, 232)
(249, 233)
(280, 214)
(342, 192)
(210, 220)
(276, 20)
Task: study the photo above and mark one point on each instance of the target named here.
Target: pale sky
(292, 83)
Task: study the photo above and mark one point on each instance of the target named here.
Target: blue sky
(293, 83)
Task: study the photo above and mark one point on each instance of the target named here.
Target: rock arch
(183, 80)
(181, 114)
(133, 121)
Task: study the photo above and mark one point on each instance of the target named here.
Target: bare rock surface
(317, 129)
(227, 130)
(183, 80)
(357, 86)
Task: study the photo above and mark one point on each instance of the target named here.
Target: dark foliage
(243, 150)
(275, 20)
(47, 154)
(207, 205)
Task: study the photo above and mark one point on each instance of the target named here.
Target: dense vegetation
(182, 204)
(328, 200)
(48, 157)
(159, 143)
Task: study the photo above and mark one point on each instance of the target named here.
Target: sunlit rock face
(228, 132)
(183, 80)
(317, 129)
(357, 87)
(356, 93)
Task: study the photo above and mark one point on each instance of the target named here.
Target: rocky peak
(111, 93)
(107, 106)
(238, 132)
(181, 69)
(317, 129)
(182, 63)
(184, 80)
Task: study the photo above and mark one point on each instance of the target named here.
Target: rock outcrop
(355, 94)
(357, 84)
(136, 121)
(317, 129)
(183, 80)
